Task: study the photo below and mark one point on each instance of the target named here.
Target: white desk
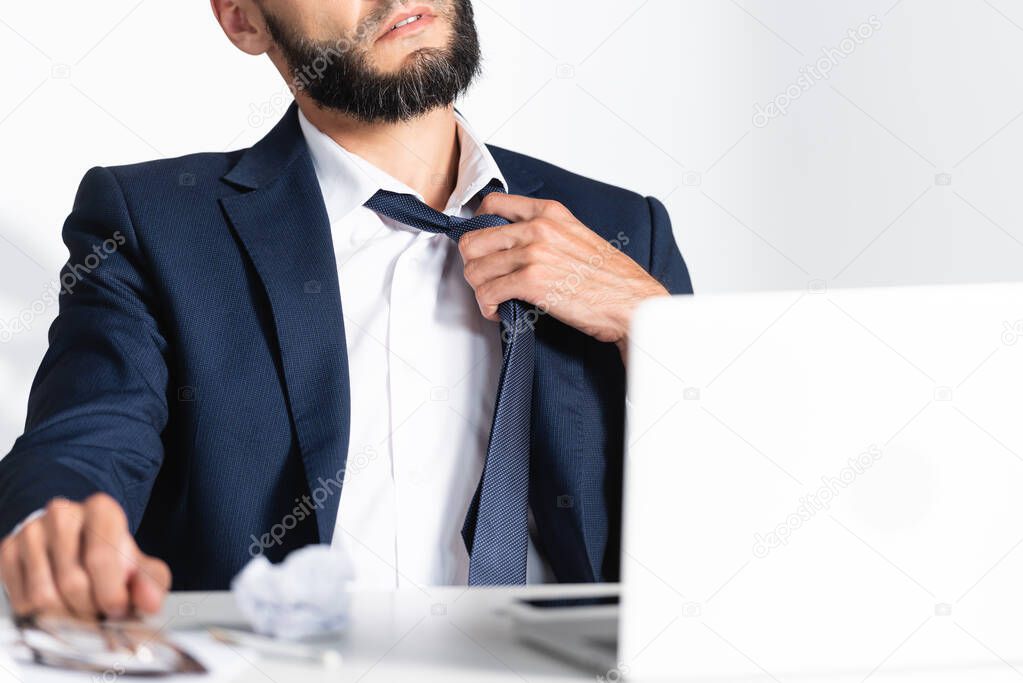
(444, 634)
(449, 635)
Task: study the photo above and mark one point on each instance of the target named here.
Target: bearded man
(370, 330)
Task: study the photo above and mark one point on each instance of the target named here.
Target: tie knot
(411, 211)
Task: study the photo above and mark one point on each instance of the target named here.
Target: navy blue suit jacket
(198, 372)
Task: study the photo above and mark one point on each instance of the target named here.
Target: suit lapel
(520, 180)
(281, 220)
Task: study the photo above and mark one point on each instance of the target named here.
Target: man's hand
(547, 258)
(80, 559)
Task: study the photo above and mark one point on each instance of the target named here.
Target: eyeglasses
(119, 647)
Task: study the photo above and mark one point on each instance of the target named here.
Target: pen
(328, 658)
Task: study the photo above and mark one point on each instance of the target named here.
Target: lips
(408, 18)
(406, 22)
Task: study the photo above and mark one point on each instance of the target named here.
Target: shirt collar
(347, 181)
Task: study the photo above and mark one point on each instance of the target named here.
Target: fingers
(544, 231)
(109, 554)
(39, 584)
(548, 258)
(517, 209)
(477, 243)
(497, 264)
(63, 523)
(525, 284)
(150, 584)
(515, 261)
(532, 220)
(12, 575)
(80, 558)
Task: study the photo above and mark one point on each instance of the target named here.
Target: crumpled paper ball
(306, 595)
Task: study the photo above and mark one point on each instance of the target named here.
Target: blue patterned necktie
(496, 529)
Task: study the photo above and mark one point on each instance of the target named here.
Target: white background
(654, 95)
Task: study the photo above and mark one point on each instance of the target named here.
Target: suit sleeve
(98, 404)
(666, 262)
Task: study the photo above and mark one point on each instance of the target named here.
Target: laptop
(818, 483)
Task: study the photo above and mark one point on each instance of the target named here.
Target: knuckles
(487, 205)
(531, 273)
(58, 506)
(102, 506)
(43, 598)
(530, 277)
(62, 514)
(73, 583)
(543, 228)
(484, 294)
(471, 272)
(556, 209)
(102, 502)
(97, 559)
(464, 242)
(537, 252)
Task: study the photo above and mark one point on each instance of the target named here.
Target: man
(369, 329)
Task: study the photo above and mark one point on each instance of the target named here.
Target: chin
(394, 60)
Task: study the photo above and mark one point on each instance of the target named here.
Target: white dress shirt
(424, 367)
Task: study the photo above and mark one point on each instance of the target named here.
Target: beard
(338, 75)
